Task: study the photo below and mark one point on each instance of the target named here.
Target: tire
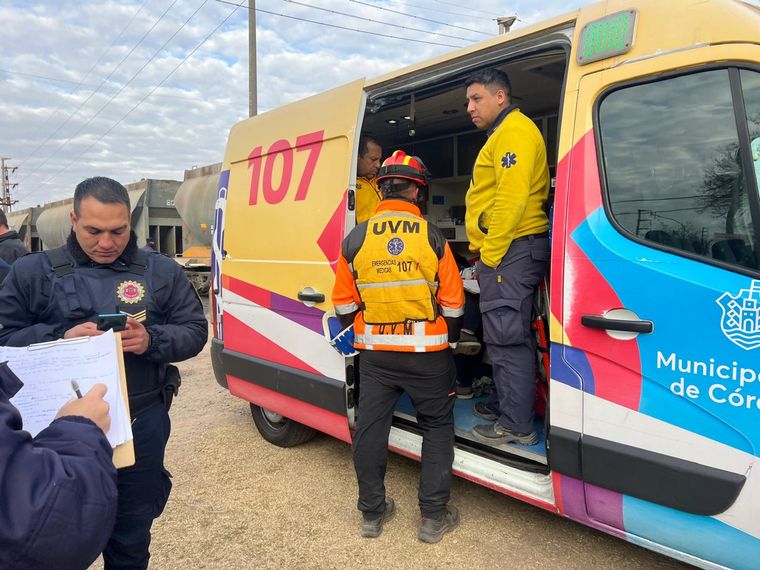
(279, 430)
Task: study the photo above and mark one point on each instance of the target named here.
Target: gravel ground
(239, 502)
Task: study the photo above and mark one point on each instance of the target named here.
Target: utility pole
(5, 171)
(252, 101)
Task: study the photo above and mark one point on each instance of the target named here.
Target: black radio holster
(172, 382)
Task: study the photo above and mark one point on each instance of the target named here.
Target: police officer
(59, 293)
(507, 225)
(11, 246)
(398, 283)
(57, 490)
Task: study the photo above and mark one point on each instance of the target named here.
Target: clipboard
(124, 453)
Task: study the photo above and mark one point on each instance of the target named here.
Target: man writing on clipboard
(58, 489)
(60, 293)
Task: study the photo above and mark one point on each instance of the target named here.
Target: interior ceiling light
(391, 121)
(407, 117)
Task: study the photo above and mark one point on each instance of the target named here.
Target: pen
(75, 387)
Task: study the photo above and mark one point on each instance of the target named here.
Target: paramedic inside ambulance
(507, 225)
(367, 193)
(398, 283)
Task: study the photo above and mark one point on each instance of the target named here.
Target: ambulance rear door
(286, 212)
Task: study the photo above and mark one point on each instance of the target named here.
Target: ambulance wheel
(279, 430)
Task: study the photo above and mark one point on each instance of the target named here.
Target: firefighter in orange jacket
(398, 283)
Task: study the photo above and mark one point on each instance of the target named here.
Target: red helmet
(401, 165)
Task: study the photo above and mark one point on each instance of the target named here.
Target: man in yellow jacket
(398, 283)
(507, 225)
(367, 192)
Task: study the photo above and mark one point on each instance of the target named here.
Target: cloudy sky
(137, 89)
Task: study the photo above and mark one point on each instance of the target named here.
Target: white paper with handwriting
(47, 370)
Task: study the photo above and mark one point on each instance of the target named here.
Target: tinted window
(751, 91)
(673, 167)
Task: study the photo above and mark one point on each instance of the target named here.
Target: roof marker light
(606, 37)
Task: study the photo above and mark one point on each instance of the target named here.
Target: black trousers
(143, 491)
(428, 378)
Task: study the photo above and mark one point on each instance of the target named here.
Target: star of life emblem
(509, 160)
(741, 316)
(130, 292)
(395, 246)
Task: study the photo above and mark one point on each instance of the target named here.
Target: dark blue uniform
(4, 269)
(57, 491)
(46, 294)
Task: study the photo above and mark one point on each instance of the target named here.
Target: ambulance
(651, 115)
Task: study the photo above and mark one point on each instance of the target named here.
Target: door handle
(622, 325)
(309, 295)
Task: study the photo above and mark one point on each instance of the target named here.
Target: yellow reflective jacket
(398, 272)
(368, 196)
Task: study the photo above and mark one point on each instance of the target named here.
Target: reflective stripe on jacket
(398, 272)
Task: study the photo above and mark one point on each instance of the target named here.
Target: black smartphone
(112, 321)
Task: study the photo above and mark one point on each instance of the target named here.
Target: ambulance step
(465, 420)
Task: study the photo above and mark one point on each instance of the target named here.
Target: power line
(488, 15)
(338, 27)
(92, 118)
(420, 18)
(141, 101)
(439, 11)
(86, 75)
(47, 78)
(91, 95)
(493, 16)
(60, 80)
(378, 22)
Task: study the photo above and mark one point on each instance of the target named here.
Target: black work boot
(372, 527)
(496, 434)
(481, 410)
(432, 530)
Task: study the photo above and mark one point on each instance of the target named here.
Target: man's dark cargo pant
(506, 302)
(428, 378)
(143, 491)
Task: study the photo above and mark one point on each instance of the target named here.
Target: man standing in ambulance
(398, 283)
(507, 225)
(367, 193)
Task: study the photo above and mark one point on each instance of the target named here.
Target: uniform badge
(139, 313)
(130, 292)
(395, 246)
(509, 160)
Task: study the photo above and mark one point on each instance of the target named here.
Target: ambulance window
(751, 91)
(673, 169)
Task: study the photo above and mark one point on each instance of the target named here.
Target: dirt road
(239, 502)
